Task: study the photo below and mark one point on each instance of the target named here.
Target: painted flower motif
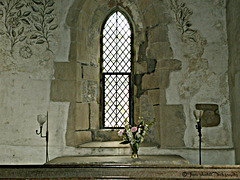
(25, 52)
(14, 22)
(134, 129)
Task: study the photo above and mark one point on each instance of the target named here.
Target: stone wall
(233, 27)
(28, 50)
(180, 63)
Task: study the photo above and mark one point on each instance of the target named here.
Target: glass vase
(134, 149)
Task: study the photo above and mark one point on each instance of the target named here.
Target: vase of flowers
(134, 135)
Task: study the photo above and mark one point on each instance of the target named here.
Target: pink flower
(120, 133)
(134, 129)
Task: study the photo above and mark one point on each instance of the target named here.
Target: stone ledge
(106, 171)
(123, 160)
(112, 144)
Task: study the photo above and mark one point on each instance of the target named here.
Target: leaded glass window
(116, 70)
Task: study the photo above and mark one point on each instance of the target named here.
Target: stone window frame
(153, 60)
(131, 93)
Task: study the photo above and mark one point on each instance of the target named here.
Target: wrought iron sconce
(41, 118)
(198, 115)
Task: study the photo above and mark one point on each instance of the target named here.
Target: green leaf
(35, 9)
(50, 4)
(38, 27)
(14, 33)
(20, 31)
(19, 14)
(25, 21)
(49, 11)
(19, 6)
(49, 20)
(34, 36)
(22, 38)
(26, 13)
(124, 142)
(35, 18)
(40, 41)
(37, 1)
(52, 27)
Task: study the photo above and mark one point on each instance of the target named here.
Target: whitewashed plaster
(208, 84)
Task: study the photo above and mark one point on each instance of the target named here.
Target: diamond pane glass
(116, 54)
(116, 44)
(116, 100)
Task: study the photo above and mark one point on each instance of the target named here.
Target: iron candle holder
(198, 115)
(41, 120)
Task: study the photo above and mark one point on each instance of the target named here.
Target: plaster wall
(26, 70)
(59, 75)
(204, 75)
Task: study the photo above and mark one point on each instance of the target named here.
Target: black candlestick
(199, 128)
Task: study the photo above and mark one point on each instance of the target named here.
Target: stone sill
(116, 144)
(112, 144)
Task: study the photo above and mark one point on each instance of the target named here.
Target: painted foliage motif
(27, 21)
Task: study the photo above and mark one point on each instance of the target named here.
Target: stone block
(140, 68)
(73, 13)
(150, 81)
(83, 137)
(83, 49)
(94, 116)
(89, 7)
(158, 34)
(79, 72)
(151, 65)
(153, 81)
(169, 64)
(62, 90)
(83, 21)
(150, 18)
(73, 32)
(144, 4)
(70, 134)
(146, 109)
(164, 18)
(156, 126)
(78, 91)
(164, 78)
(89, 91)
(65, 70)
(82, 116)
(73, 51)
(146, 112)
(163, 99)
(159, 50)
(106, 135)
(90, 73)
(172, 125)
(154, 96)
(160, 6)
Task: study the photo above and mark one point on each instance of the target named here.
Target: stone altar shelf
(114, 153)
(119, 160)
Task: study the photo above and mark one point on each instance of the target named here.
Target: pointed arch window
(116, 70)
